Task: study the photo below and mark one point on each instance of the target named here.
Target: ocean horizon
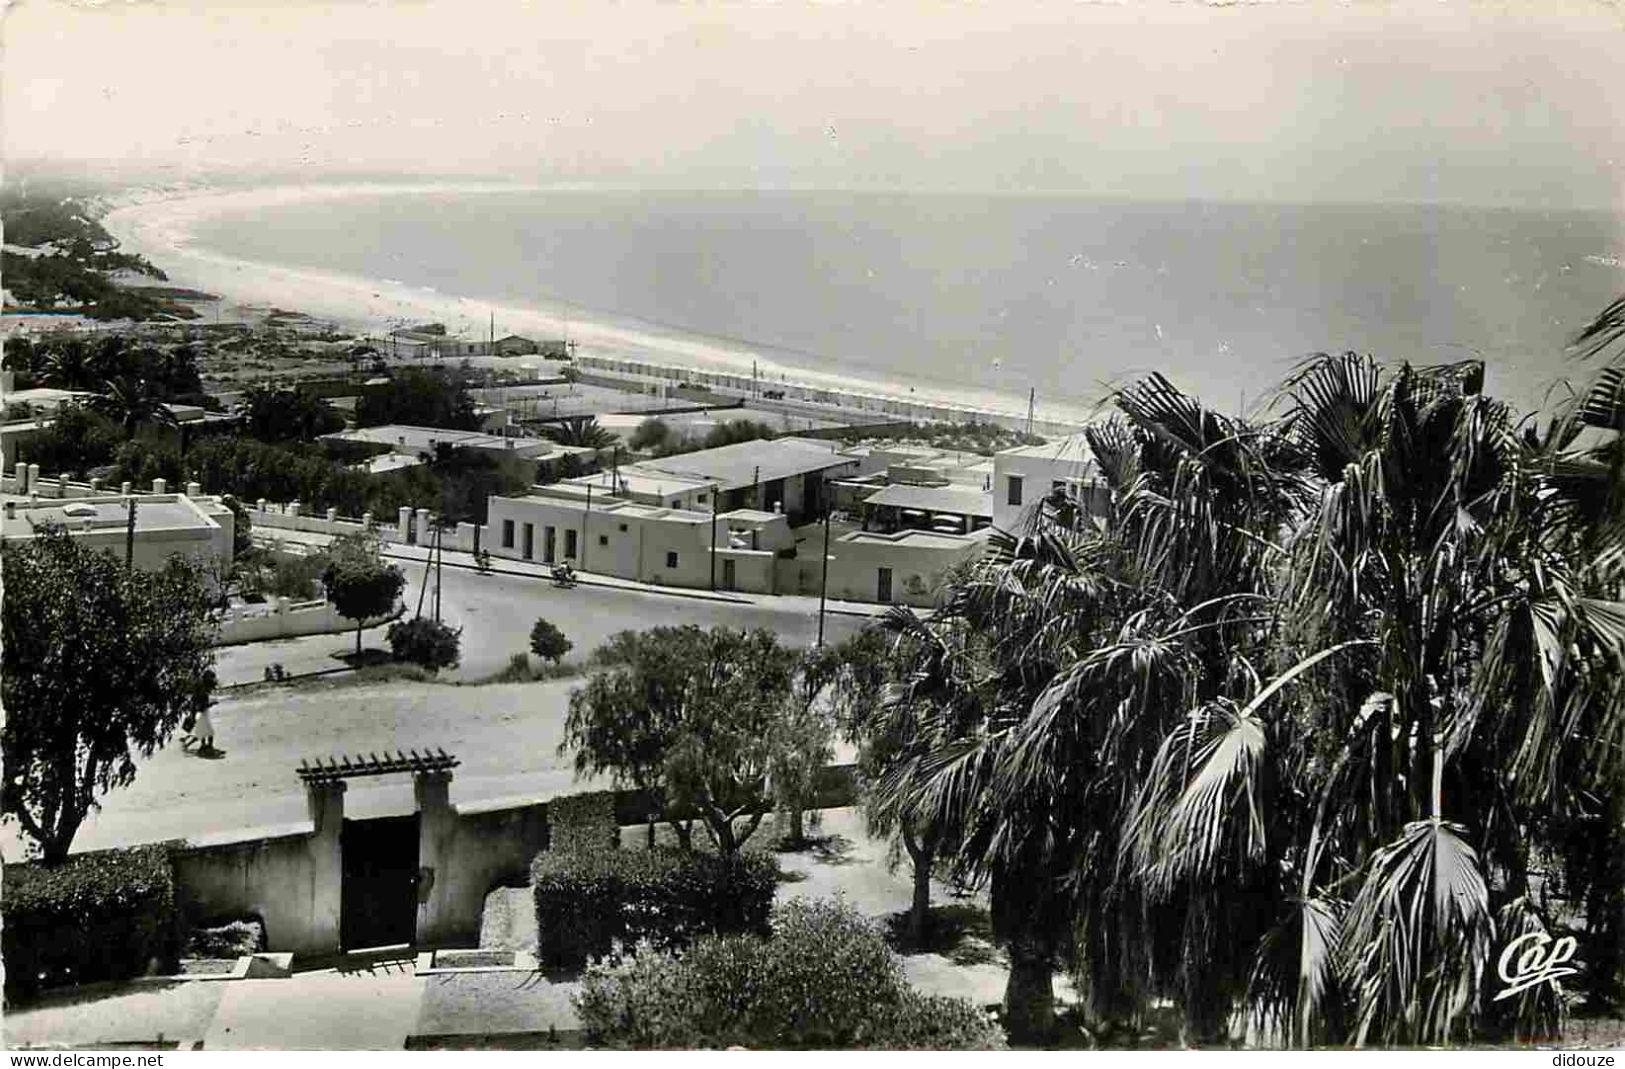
(1061, 295)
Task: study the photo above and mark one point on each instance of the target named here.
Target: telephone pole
(823, 585)
(129, 537)
(439, 562)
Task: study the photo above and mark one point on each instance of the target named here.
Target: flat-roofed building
(1024, 476)
(903, 567)
(422, 441)
(165, 524)
(778, 475)
(631, 540)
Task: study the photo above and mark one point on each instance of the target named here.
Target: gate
(378, 903)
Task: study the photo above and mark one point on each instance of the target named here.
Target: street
(496, 612)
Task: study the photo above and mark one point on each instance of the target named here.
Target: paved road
(496, 613)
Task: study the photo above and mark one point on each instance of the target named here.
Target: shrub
(98, 916)
(231, 940)
(425, 642)
(825, 979)
(582, 822)
(548, 642)
(591, 903)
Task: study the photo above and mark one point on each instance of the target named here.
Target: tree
(359, 584)
(833, 687)
(132, 402)
(99, 667)
(279, 414)
(652, 435)
(548, 642)
(692, 718)
(579, 431)
(425, 642)
(420, 398)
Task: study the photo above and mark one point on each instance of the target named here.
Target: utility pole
(129, 537)
(1032, 395)
(713, 537)
(439, 562)
(823, 586)
(586, 527)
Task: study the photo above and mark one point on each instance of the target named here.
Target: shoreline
(157, 224)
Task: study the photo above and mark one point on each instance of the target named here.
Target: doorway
(378, 900)
(883, 591)
(728, 575)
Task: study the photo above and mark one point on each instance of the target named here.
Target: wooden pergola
(347, 767)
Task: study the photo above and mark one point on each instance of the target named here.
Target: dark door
(530, 540)
(727, 575)
(883, 594)
(379, 902)
(550, 544)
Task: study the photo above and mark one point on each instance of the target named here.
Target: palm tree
(132, 402)
(1081, 645)
(579, 431)
(1449, 682)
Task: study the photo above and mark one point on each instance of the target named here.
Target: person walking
(203, 732)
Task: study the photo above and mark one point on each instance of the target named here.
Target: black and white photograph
(819, 525)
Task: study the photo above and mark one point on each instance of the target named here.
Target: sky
(1479, 103)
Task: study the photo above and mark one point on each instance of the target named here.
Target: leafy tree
(548, 642)
(359, 584)
(734, 431)
(652, 435)
(77, 440)
(99, 667)
(832, 685)
(421, 398)
(693, 718)
(426, 642)
(278, 414)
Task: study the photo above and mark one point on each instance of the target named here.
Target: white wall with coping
(280, 618)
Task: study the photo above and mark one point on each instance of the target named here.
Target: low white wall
(280, 618)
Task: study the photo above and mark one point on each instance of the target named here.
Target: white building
(1024, 476)
(165, 524)
(734, 550)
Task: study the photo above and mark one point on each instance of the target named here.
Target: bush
(591, 903)
(425, 642)
(100, 916)
(548, 642)
(231, 940)
(825, 979)
(582, 822)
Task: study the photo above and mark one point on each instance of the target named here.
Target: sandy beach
(160, 225)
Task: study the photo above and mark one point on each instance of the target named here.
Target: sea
(1063, 296)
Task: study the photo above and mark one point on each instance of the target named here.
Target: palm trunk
(798, 832)
(358, 639)
(921, 854)
(1029, 994)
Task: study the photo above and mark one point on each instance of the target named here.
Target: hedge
(102, 916)
(824, 980)
(589, 902)
(582, 822)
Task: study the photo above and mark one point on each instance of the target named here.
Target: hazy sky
(1521, 103)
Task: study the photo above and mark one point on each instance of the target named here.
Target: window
(1015, 490)
(702, 498)
(570, 542)
(623, 528)
(671, 559)
(603, 540)
(507, 534)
